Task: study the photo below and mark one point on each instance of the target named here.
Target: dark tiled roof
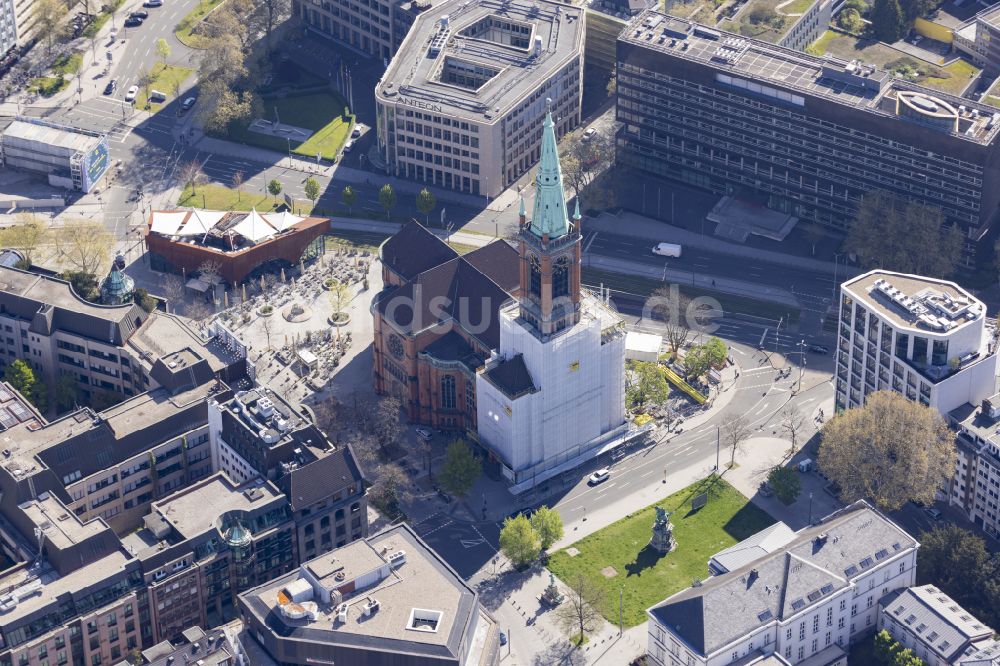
(453, 347)
(413, 250)
(512, 377)
(453, 291)
(322, 478)
(499, 261)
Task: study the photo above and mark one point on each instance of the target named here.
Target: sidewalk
(633, 224)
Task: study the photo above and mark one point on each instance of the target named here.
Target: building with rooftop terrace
(925, 338)
(804, 136)
(384, 600)
(461, 104)
(257, 434)
(938, 630)
(806, 601)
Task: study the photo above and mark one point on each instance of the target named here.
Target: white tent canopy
(201, 221)
(282, 220)
(253, 227)
(167, 223)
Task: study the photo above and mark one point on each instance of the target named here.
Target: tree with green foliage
(519, 541)
(888, 22)
(700, 358)
(957, 561)
(162, 50)
(20, 375)
(785, 482)
(311, 188)
(26, 235)
(426, 203)
(387, 197)
(47, 17)
(885, 647)
(349, 197)
(905, 657)
(143, 299)
(645, 383)
(888, 451)
(460, 469)
(548, 525)
(66, 393)
(850, 21)
(860, 6)
(274, 187)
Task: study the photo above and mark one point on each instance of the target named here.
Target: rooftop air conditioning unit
(342, 613)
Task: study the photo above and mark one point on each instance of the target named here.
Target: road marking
(649, 473)
(591, 242)
(472, 543)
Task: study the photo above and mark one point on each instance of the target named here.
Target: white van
(157, 96)
(667, 249)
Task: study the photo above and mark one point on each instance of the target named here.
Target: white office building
(553, 393)
(803, 603)
(922, 337)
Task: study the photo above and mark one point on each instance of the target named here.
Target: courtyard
(617, 559)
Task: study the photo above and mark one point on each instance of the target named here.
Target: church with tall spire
(552, 395)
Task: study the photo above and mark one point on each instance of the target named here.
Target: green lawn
(166, 79)
(797, 7)
(647, 576)
(644, 286)
(219, 197)
(184, 31)
(355, 240)
(47, 86)
(320, 112)
(67, 65)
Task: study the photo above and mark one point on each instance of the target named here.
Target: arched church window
(560, 278)
(448, 392)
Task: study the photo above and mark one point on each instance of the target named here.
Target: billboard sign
(95, 163)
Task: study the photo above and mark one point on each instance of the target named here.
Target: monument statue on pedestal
(552, 595)
(663, 532)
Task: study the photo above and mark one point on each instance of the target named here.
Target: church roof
(413, 250)
(549, 215)
(500, 261)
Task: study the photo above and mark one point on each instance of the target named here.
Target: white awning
(282, 220)
(167, 223)
(201, 221)
(253, 227)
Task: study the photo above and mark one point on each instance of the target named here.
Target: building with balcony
(939, 631)
(803, 602)
(462, 102)
(804, 136)
(387, 600)
(925, 338)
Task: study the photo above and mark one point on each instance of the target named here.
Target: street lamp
(802, 363)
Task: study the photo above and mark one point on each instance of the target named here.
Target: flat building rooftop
(69, 139)
(916, 302)
(755, 66)
(477, 60)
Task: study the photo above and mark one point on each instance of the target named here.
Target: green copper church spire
(549, 216)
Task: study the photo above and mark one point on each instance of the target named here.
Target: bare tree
(265, 323)
(792, 422)
(387, 426)
(579, 612)
(268, 282)
(172, 288)
(237, 180)
(197, 309)
(190, 174)
(28, 233)
(210, 272)
(735, 431)
(390, 488)
(669, 305)
(84, 244)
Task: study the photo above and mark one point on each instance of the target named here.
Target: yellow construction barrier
(679, 382)
(933, 30)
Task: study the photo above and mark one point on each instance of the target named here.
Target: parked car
(933, 513)
(132, 92)
(819, 349)
(111, 87)
(153, 3)
(527, 513)
(356, 132)
(348, 146)
(503, 638)
(424, 433)
(765, 489)
(589, 134)
(139, 15)
(133, 22)
(600, 476)
(188, 103)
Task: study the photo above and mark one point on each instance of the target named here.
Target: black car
(818, 349)
(139, 15)
(133, 22)
(111, 87)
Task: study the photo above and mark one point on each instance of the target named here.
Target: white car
(589, 134)
(132, 92)
(424, 433)
(348, 146)
(600, 476)
(356, 132)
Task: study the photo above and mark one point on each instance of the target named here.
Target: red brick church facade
(435, 323)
